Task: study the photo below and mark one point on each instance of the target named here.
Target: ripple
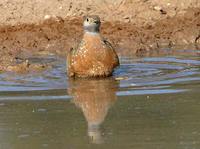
(158, 72)
(148, 75)
(149, 92)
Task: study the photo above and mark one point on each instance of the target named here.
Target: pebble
(47, 17)
(121, 78)
(168, 4)
(158, 8)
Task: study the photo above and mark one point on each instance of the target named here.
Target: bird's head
(91, 24)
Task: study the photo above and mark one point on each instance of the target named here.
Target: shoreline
(127, 34)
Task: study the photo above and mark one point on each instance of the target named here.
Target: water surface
(150, 102)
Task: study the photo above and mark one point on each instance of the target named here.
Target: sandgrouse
(94, 56)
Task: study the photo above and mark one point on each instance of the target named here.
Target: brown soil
(133, 27)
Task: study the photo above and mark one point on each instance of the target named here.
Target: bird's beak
(96, 22)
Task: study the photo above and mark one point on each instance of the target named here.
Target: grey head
(91, 24)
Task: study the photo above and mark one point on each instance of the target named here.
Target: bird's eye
(87, 19)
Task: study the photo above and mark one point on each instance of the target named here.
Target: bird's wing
(108, 44)
(69, 64)
(113, 50)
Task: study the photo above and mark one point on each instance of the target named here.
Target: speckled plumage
(94, 57)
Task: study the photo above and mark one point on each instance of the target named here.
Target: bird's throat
(91, 33)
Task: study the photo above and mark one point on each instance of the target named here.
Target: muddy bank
(56, 35)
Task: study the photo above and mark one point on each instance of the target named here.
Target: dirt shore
(136, 27)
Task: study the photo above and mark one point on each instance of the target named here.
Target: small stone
(163, 11)
(47, 17)
(121, 78)
(158, 8)
(126, 17)
(168, 4)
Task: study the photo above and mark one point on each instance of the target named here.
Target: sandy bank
(139, 26)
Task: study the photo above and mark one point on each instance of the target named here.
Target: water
(150, 102)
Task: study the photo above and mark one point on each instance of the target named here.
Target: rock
(47, 17)
(158, 8)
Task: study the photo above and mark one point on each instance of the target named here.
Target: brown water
(155, 105)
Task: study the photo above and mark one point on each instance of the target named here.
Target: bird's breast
(93, 43)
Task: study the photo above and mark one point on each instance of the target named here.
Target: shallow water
(150, 102)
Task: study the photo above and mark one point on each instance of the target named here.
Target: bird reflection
(94, 97)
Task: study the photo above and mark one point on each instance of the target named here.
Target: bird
(94, 56)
